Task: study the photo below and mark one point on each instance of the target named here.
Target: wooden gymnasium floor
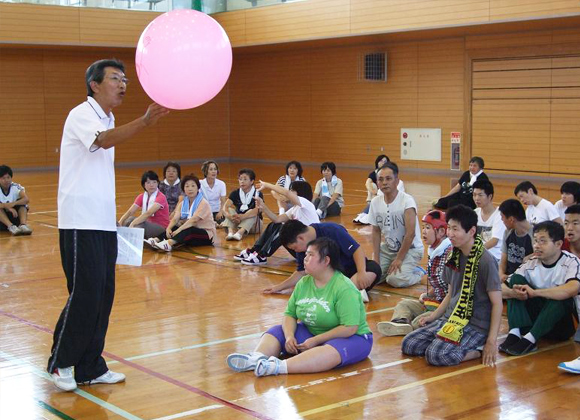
(177, 317)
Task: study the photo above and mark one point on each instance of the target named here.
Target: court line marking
(332, 378)
(194, 346)
(291, 388)
(36, 371)
(346, 403)
(153, 373)
(190, 412)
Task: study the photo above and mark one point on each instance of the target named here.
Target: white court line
(84, 394)
(190, 412)
(380, 310)
(194, 346)
(43, 212)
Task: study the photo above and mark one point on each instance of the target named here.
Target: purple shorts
(352, 349)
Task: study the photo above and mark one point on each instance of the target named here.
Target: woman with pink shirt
(154, 216)
(192, 223)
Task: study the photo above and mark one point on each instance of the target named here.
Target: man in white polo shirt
(87, 225)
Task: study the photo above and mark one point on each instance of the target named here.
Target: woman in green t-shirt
(324, 323)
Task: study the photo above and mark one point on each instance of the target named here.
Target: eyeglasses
(119, 79)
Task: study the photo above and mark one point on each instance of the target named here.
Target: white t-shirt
(86, 184)
(491, 228)
(541, 277)
(390, 218)
(331, 190)
(542, 212)
(13, 193)
(305, 212)
(212, 195)
(561, 208)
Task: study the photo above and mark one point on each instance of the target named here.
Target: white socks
(530, 338)
(516, 332)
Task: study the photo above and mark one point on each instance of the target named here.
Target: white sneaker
(240, 362)
(109, 377)
(163, 246)
(64, 378)
(237, 236)
(268, 367)
(390, 329)
(255, 259)
(365, 296)
(243, 255)
(319, 213)
(13, 229)
(25, 230)
(230, 237)
(572, 366)
(151, 242)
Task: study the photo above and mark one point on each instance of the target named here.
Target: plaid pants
(438, 352)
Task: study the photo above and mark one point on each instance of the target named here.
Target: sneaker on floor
(255, 259)
(236, 236)
(230, 237)
(243, 255)
(240, 362)
(151, 242)
(25, 230)
(14, 230)
(572, 366)
(524, 346)
(268, 367)
(163, 246)
(510, 340)
(365, 296)
(390, 328)
(64, 378)
(109, 377)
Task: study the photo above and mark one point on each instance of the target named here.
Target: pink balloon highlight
(183, 59)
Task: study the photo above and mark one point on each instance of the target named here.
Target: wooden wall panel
(105, 27)
(38, 88)
(512, 135)
(303, 20)
(565, 136)
(329, 114)
(39, 24)
(234, 23)
(513, 9)
(270, 106)
(375, 16)
(22, 119)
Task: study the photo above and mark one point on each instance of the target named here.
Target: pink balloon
(183, 59)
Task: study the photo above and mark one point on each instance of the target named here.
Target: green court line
(53, 410)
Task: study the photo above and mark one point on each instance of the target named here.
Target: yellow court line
(346, 403)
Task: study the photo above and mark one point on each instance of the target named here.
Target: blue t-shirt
(338, 234)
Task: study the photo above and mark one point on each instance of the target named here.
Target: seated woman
(192, 224)
(214, 190)
(373, 190)
(462, 192)
(293, 173)
(240, 210)
(328, 192)
(302, 209)
(154, 216)
(570, 191)
(324, 323)
(170, 187)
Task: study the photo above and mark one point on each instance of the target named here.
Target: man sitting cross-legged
(540, 293)
(409, 312)
(469, 316)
